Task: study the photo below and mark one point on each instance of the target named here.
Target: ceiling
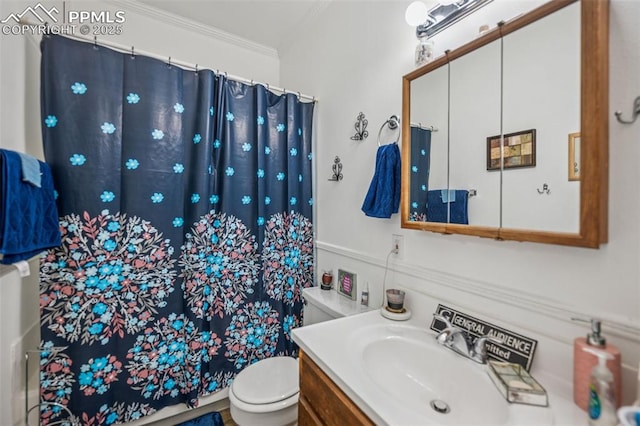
(268, 22)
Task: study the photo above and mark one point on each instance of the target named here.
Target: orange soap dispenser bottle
(583, 363)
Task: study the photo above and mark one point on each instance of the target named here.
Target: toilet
(266, 392)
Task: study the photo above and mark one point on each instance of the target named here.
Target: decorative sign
(516, 347)
(347, 284)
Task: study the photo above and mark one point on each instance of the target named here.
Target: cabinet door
(429, 149)
(306, 415)
(474, 117)
(541, 66)
(329, 404)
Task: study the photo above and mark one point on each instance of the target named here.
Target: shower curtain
(420, 167)
(186, 218)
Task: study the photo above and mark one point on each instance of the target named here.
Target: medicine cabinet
(510, 107)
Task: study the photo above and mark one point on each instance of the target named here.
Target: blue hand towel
(30, 170)
(383, 197)
(437, 207)
(28, 214)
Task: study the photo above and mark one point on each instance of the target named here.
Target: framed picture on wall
(519, 150)
(574, 156)
(347, 284)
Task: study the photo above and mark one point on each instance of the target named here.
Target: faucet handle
(444, 319)
(480, 346)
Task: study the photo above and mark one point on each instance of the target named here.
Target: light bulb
(416, 13)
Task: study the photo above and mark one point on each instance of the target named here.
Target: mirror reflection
(542, 91)
(475, 114)
(429, 140)
(552, 142)
(503, 114)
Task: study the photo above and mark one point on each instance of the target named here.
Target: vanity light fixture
(442, 14)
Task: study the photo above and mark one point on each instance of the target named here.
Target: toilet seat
(269, 382)
(263, 408)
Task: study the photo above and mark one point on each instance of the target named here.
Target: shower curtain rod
(125, 49)
(419, 125)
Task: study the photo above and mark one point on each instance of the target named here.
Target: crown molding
(188, 24)
(491, 292)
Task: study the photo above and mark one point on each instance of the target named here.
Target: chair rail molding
(534, 304)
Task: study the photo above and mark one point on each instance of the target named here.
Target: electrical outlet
(397, 245)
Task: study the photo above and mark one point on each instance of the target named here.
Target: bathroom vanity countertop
(331, 345)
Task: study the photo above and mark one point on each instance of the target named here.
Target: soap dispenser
(602, 400)
(584, 362)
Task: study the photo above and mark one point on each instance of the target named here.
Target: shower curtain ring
(132, 53)
(95, 42)
(196, 68)
(252, 82)
(169, 63)
(298, 95)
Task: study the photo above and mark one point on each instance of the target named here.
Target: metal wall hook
(635, 113)
(545, 189)
(337, 170)
(361, 128)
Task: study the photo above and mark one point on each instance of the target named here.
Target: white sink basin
(410, 367)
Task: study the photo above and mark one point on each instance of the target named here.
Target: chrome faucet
(461, 342)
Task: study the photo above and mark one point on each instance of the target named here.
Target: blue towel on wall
(437, 206)
(28, 214)
(383, 197)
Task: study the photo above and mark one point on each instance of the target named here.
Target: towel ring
(394, 123)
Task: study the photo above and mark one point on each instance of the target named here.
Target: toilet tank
(324, 305)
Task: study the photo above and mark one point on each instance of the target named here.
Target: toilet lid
(267, 381)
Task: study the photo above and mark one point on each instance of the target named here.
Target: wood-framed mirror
(457, 169)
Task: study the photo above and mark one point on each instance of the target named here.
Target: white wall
(353, 59)
(20, 130)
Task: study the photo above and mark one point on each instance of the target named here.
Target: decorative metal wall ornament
(337, 170)
(361, 128)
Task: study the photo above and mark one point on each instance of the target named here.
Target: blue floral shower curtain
(420, 167)
(186, 214)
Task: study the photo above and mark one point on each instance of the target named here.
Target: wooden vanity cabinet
(322, 402)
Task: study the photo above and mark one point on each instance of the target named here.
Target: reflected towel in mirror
(455, 205)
